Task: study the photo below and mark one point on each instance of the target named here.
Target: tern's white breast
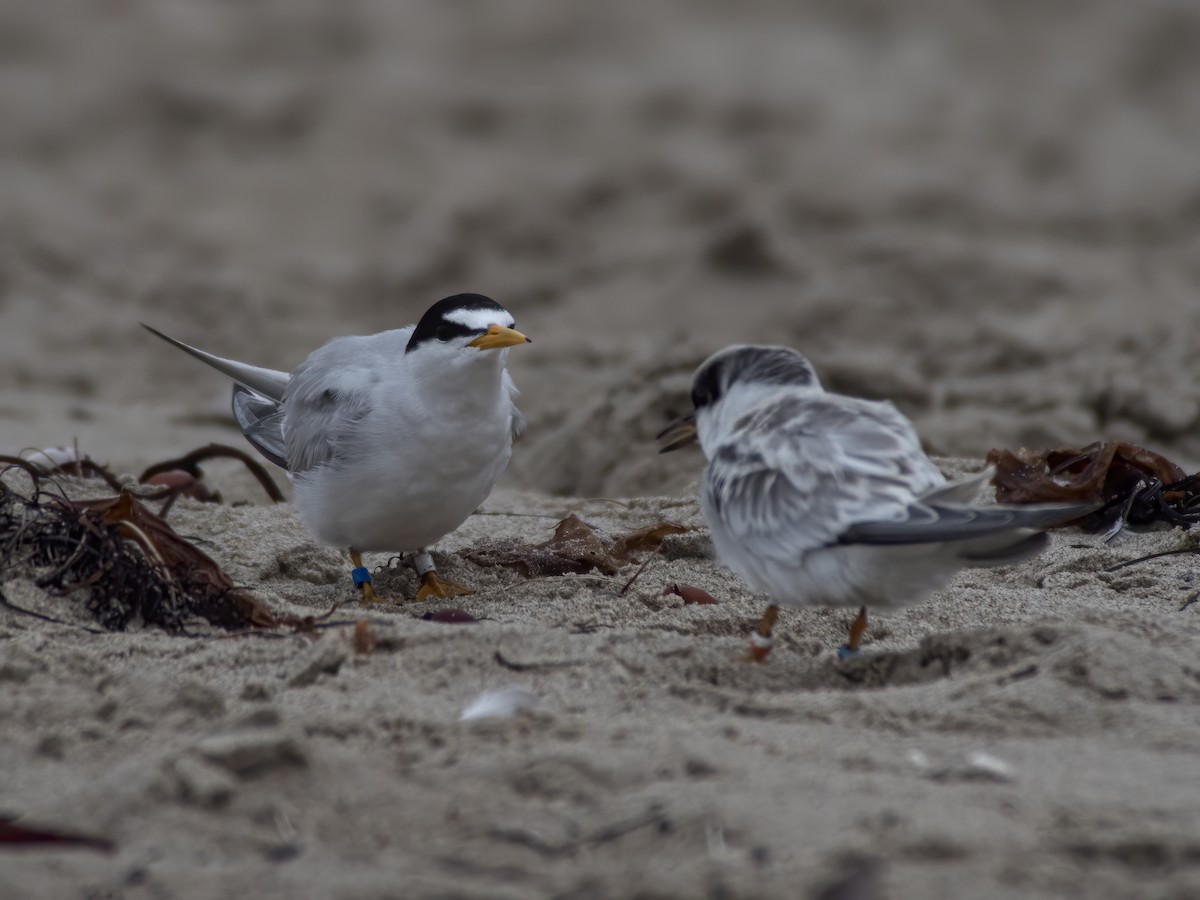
(411, 475)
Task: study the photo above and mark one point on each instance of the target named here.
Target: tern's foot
(433, 585)
(369, 595)
(361, 576)
(858, 628)
(761, 641)
(760, 648)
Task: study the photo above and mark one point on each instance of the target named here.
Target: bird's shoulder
(333, 390)
(346, 366)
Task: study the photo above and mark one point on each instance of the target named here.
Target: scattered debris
(575, 548)
(645, 539)
(1129, 483)
(129, 562)
(500, 704)
(364, 640)
(11, 832)
(689, 594)
(181, 476)
(189, 465)
(451, 616)
(184, 484)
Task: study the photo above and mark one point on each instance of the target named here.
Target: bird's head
(464, 330)
(732, 380)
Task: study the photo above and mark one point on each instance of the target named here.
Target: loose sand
(989, 213)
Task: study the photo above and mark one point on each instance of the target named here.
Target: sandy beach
(987, 213)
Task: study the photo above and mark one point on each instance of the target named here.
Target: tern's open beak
(679, 433)
(498, 336)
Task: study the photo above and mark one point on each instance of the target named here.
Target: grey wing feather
(925, 524)
(798, 473)
(965, 490)
(327, 396)
(267, 382)
(261, 421)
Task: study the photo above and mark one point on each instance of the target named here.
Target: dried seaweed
(127, 562)
(649, 538)
(575, 548)
(189, 463)
(1127, 483)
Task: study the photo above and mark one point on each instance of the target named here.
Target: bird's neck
(472, 389)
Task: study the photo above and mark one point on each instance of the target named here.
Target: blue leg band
(361, 576)
(844, 652)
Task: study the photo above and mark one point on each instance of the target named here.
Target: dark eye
(444, 333)
(706, 389)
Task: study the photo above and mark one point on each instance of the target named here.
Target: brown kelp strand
(1127, 483)
(122, 560)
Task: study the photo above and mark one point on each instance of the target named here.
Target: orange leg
(760, 639)
(432, 584)
(362, 578)
(857, 628)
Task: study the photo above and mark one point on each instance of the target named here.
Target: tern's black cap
(749, 363)
(439, 322)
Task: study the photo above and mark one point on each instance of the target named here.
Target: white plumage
(391, 440)
(819, 499)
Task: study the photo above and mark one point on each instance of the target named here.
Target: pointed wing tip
(154, 331)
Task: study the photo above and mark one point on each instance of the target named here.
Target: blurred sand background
(987, 212)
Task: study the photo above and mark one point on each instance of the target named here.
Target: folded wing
(795, 476)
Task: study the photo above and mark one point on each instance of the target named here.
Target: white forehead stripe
(479, 319)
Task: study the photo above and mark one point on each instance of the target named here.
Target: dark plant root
(190, 463)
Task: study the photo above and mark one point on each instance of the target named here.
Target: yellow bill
(498, 336)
